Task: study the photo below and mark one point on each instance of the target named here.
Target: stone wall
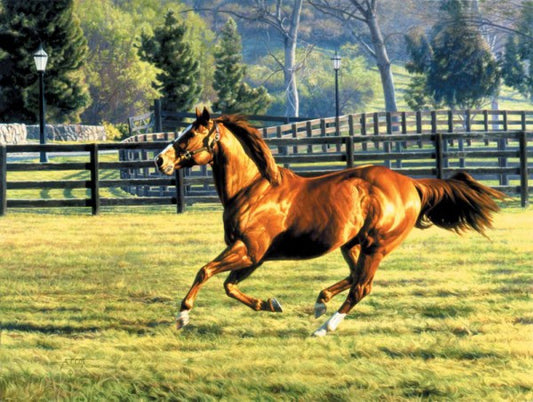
(13, 133)
(69, 132)
(21, 133)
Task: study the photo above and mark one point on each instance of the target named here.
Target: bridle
(186, 155)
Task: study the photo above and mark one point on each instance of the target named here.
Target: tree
(458, 66)
(120, 83)
(23, 26)
(234, 95)
(168, 50)
(282, 18)
(517, 63)
(365, 11)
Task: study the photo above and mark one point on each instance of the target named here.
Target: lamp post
(40, 57)
(336, 66)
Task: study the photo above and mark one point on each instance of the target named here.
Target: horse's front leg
(254, 303)
(235, 257)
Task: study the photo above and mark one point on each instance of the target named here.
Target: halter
(210, 147)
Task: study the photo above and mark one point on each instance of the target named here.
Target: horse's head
(193, 146)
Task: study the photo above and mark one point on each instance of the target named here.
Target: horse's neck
(233, 169)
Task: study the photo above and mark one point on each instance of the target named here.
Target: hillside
(509, 98)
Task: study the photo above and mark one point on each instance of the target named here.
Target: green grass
(87, 306)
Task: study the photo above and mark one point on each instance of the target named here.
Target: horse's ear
(203, 117)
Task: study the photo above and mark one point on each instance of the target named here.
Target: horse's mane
(257, 149)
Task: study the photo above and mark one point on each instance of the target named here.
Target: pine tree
(23, 26)
(234, 95)
(517, 64)
(168, 50)
(459, 67)
(514, 73)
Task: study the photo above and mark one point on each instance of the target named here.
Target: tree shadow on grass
(143, 328)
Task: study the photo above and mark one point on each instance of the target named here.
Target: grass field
(87, 306)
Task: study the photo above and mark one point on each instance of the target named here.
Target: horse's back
(382, 198)
(371, 177)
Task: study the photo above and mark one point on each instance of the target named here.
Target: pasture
(87, 306)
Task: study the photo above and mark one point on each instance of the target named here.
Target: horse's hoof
(320, 309)
(320, 332)
(330, 325)
(182, 319)
(276, 307)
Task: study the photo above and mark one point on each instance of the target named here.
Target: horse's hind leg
(350, 255)
(363, 275)
(230, 285)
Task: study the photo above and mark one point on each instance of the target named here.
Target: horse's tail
(458, 203)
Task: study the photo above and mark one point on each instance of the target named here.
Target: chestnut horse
(270, 213)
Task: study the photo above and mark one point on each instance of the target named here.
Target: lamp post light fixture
(41, 58)
(336, 66)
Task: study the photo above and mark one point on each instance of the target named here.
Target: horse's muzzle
(159, 164)
(159, 161)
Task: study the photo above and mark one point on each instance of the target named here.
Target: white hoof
(182, 319)
(322, 331)
(330, 325)
(320, 309)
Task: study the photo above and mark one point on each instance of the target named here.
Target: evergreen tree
(459, 67)
(517, 64)
(234, 95)
(168, 50)
(23, 26)
(120, 83)
(514, 72)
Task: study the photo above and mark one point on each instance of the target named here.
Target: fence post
(158, 120)
(294, 130)
(349, 152)
(439, 154)
(95, 184)
(505, 121)
(363, 130)
(309, 134)
(387, 144)
(375, 118)
(351, 129)
(180, 191)
(323, 134)
(3, 180)
(502, 161)
(419, 122)
(524, 190)
(338, 131)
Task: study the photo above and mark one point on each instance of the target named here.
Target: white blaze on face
(183, 132)
(171, 146)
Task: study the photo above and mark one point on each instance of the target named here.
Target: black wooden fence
(100, 172)
(159, 120)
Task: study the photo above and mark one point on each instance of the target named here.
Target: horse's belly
(303, 246)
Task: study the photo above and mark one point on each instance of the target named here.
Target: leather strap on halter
(209, 147)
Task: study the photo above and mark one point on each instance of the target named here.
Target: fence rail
(159, 120)
(446, 121)
(103, 173)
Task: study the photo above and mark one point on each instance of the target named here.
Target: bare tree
(283, 17)
(352, 11)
